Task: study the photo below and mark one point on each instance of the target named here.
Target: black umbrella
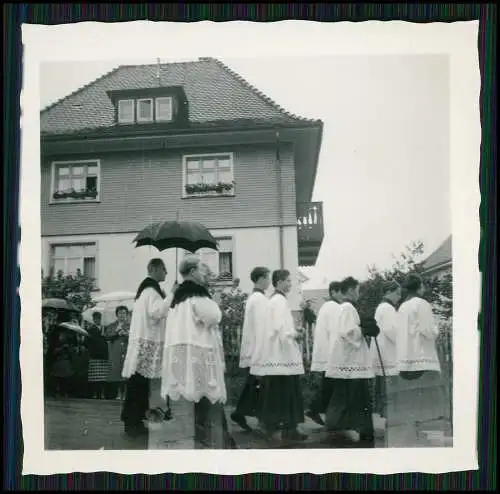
(58, 304)
(186, 235)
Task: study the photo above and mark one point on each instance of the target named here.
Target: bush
(76, 289)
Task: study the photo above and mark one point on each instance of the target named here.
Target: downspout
(280, 200)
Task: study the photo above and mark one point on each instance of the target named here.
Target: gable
(442, 255)
(214, 94)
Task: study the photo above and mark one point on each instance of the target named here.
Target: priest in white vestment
(383, 348)
(278, 361)
(350, 366)
(326, 327)
(193, 361)
(420, 381)
(145, 347)
(254, 323)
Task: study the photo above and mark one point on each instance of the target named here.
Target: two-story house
(190, 140)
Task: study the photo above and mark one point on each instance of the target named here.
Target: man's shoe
(241, 421)
(315, 417)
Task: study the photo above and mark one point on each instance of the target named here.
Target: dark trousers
(249, 398)
(320, 401)
(136, 401)
(210, 426)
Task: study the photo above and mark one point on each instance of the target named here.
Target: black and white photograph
(247, 253)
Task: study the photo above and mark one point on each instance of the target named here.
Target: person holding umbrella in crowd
(116, 335)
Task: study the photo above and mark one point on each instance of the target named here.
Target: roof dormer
(159, 105)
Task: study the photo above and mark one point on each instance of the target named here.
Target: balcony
(310, 231)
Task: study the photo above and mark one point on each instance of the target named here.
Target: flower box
(74, 194)
(220, 188)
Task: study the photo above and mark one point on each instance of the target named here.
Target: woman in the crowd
(62, 369)
(419, 382)
(193, 361)
(116, 335)
(49, 320)
(98, 357)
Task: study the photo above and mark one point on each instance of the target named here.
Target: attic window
(126, 111)
(163, 109)
(145, 110)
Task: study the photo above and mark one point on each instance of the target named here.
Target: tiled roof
(215, 94)
(441, 255)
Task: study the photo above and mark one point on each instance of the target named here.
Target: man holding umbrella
(143, 361)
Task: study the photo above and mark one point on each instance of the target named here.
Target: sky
(384, 167)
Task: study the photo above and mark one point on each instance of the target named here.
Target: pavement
(75, 424)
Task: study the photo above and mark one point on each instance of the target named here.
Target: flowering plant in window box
(74, 194)
(219, 188)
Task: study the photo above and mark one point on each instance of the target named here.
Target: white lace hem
(193, 372)
(143, 357)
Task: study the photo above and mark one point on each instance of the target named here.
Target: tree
(76, 289)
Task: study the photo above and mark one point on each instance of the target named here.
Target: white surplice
(416, 344)
(193, 359)
(253, 324)
(326, 326)
(350, 356)
(386, 317)
(147, 333)
(277, 353)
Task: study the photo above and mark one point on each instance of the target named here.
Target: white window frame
(138, 116)
(64, 242)
(170, 117)
(132, 119)
(187, 157)
(57, 164)
(229, 238)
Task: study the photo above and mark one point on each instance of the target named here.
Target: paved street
(72, 424)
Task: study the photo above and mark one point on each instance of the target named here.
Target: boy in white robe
(350, 367)
(419, 381)
(254, 322)
(326, 325)
(383, 347)
(279, 363)
(145, 346)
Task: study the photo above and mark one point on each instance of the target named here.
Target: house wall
(121, 267)
(141, 187)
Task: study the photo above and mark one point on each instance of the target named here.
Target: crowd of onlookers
(84, 365)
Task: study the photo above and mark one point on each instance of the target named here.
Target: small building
(440, 262)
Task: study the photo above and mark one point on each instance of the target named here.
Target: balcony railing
(310, 222)
(310, 231)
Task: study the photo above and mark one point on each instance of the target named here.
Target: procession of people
(171, 349)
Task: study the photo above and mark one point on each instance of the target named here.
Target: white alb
(147, 333)
(254, 321)
(416, 344)
(350, 356)
(193, 359)
(326, 326)
(277, 353)
(386, 318)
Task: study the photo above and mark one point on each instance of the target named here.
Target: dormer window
(164, 109)
(145, 110)
(149, 106)
(126, 111)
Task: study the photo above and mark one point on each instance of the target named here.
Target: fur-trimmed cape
(188, 289)
(150, 283)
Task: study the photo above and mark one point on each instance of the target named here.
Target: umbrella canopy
(58, 304)
(180, 234)
(107, 311)
(74, 327)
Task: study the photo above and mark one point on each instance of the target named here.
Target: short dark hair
(96, 313)
(120, 308)
(413, 282)
(155, 263)
(334, 286)
(258, 273)
(390, 286)
(348, 283)
(279, 275)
